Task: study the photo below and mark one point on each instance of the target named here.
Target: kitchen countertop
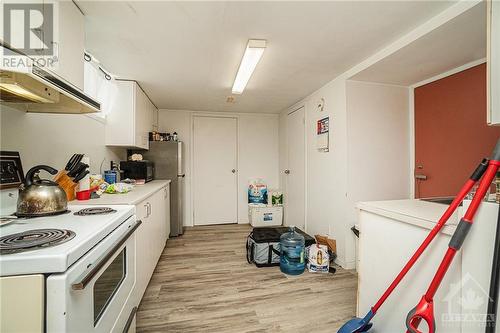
(138, 193)
(413, 211)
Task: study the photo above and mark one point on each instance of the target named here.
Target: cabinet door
(166, 208)
(67, 40)
(26, 293)
(120, 127)
(129, 121)
(70, 45)
(141, 119)
(149, 119)
(158, 216)
(163, 216)
(494, 63)
(145, 261)
(154, 113)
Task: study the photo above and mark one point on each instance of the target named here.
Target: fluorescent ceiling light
(253, 53)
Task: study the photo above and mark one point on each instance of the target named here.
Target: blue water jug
(292, 245)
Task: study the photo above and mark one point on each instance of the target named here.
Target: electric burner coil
(95, 211)
(34, 239)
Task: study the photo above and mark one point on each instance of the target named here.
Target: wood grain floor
(203, 284)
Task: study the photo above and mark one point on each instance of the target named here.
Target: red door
(451, 135)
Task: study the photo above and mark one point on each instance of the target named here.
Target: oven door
(93, 295)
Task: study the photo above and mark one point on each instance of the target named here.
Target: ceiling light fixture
(253, 53)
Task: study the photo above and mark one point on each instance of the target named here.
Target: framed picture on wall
(322, 134)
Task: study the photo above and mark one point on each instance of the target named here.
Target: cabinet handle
(56, 51)
(147, 209)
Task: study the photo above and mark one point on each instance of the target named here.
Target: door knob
(420, 177)
(233, 171)
(287, 172)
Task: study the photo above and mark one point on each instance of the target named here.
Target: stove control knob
(11, 169)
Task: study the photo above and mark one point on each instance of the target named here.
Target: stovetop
(88, 231)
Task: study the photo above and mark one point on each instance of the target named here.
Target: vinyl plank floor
(203, 283)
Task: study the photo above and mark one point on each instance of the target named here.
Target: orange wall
(451, 135)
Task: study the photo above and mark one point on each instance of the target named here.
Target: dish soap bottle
(292, 246)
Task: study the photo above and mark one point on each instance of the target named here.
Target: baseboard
(346, 265)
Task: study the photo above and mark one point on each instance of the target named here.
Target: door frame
(295, 108)
(192, 157)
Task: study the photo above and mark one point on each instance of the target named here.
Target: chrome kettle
(40, 197)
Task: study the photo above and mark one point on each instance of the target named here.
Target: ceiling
(460, 41)
(185, 54)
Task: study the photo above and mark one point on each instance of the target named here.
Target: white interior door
(215, 170)
(295, 172)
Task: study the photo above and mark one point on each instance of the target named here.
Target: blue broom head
(358, 325)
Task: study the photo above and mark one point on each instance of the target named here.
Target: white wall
(258, 151)
(369, 140)
(378, 134)
(52, 139)
(331, 197)
(326, 173)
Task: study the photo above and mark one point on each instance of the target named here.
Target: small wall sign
(322, 134)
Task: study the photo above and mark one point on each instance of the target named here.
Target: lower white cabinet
(386, 244)
(151, 236)
(165, 205)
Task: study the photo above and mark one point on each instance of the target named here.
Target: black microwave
(138, 170)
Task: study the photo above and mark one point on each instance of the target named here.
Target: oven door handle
(88, 275)
(129, 320)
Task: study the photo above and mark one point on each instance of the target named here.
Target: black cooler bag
(263, 245)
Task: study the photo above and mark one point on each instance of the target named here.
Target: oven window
(107, 284)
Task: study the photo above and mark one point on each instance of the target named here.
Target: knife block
(67, 184)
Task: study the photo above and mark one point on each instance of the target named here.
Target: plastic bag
(257, 191)
(119, 188)
(318, 259)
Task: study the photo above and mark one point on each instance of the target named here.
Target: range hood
(35, 89)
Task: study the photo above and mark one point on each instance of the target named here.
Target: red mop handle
(463, 228)
(424, 310)
(476, 175)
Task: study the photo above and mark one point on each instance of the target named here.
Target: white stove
(88, 231)
(72, 272)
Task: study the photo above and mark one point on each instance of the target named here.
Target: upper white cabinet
(131, 117)
(67, 40)
(493, 63)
